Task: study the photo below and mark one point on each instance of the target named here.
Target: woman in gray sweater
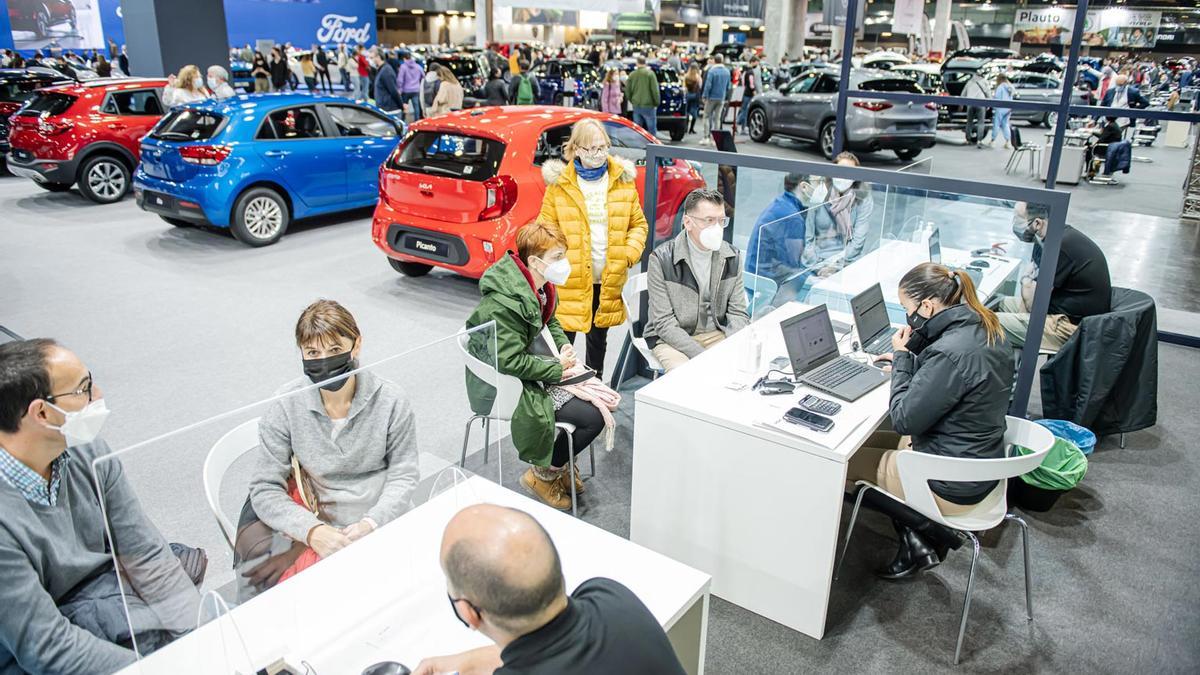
(336, 462)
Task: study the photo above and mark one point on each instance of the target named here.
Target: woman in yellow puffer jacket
(592, 198)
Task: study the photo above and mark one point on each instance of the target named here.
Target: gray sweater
(369, 471)
(48, 551)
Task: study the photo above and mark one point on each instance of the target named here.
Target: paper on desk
(844, 424)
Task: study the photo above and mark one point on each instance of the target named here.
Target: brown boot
(550, 492)
(566, 487)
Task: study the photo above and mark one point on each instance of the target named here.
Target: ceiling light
(417, 11)
(725, 26)
(471, 14)
(391, 10)
(452, 12)
(762, 29)
(679, 25)
(743, 27)
(885, 34)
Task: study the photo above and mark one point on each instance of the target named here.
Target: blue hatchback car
(254, 163)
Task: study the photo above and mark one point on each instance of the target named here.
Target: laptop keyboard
(835, 373)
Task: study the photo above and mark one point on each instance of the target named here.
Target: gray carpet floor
(179, 325)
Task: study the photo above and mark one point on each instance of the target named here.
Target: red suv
(460, 185)
(40, 15)
(85, 133)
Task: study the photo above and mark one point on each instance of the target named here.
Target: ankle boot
(549, 491)
(941, 538)
(913, 556)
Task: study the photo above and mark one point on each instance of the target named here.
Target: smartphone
(808, 419)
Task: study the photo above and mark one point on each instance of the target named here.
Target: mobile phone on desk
(808, 419)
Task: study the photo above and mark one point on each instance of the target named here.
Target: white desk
(756, 508)
(891, 261)
(384, 598)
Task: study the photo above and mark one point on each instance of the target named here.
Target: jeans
(347, 83)
(323, 80)
(362, 87)
(741, 118)
(713, 110)
(597, 338)
(413, 98)
(1000, 124)
(646, 118)
(693, 111)
(588, 424)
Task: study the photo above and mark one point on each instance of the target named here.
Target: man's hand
(482, 661)
(1028, 286)
(359, 530)
(327, 540)
(900, 339)
(266, 574)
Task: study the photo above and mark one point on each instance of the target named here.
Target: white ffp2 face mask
(819, 193)
(710, 238)
(212, 83)
(557, 272)
(842, 184)
(82, 426)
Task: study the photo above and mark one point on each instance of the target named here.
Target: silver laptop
(871, 319)
(816, 362)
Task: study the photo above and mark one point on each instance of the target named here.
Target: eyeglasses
(722, 221)
(594, 151)
(85, 388)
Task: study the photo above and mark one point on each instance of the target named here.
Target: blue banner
(111, 21)
(301, 22)
(6, 41)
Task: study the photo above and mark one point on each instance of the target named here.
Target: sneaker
(566, 487)
(1007, 145)
(550, 492)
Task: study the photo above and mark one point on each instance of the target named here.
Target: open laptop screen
(935, 247)
(809, 339)
(870, 313)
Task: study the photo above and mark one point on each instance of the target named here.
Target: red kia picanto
(86, 133)
(460, 185)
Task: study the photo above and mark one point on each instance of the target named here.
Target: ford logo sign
(334, 29)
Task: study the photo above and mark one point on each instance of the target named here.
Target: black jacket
(1105, 377)
(496, 92)
(387, 96)
(952, 395)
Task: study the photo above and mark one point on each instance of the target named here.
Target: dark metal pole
(1064, 104)
(847, 57)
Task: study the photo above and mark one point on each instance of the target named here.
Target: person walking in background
(717, 84)
(309, 69)
(673, 61)
(387, 96)
(409, 81)
(976, 87)
(692, 83)
(261, 72)
(751, 87)
(185, 87)
(123, 62)
(495, 92)
(362, 69)
(644, 96)
(322, 61)
(279, 70)
(218, 83)
(1000, 116)
(343, 65)
(524, 88)
(449, 95)
(611, 98)
(103, 67)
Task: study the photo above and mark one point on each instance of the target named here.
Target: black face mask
(454, 608)
(1024, 230)
(916, 321)
(319, 370)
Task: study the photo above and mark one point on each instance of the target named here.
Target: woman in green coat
(519, 295)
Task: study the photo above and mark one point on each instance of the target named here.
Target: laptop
(816, 362)
(935, 257)
(871, 318)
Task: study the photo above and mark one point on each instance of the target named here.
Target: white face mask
(710, 238)
(557, 272)
(82, 426)
(842, 184)
(212, 83)
(819, 193)
(593, 161)
(197, 82)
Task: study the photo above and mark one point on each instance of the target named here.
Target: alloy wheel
(263, 217)
(757, 124)
(107, 180)
(827, 140)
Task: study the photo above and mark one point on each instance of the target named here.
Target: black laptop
(875, 329)
(816, 362)
(935, 257)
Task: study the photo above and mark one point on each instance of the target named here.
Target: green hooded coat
(509, 300)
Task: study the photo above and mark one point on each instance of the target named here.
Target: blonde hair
(585, 133)
(447, 75)
(187, 77)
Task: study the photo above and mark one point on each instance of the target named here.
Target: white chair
(508, 394)
(237, 442)
(760, 290)
(631, 295)
(917, 469)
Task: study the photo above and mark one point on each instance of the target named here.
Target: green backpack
(524, 91)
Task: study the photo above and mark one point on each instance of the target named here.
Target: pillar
(775, 37)
(163, 36)
(941, 27)
(483, 23)
(796, 45)
(716, 30)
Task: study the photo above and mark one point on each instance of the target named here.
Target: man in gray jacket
(697, 295)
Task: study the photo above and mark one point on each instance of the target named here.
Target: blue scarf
(590, 174)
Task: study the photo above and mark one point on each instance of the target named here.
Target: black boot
(941, 538)
(913, 556)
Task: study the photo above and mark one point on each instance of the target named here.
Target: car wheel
(178, 222)
(1051, 120)
(908, 153)
(260, 217)
(410, 269)
(104, 179)
(826, 139)
(53, 187)
(759, 131)
(678, 134)
(72, 19)
(42, 23)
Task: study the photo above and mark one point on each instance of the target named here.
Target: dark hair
(1033, 211)
(507, 605)
(929, 281)
(791, 180)
(24, 378)
(323, 322)
(702, 195)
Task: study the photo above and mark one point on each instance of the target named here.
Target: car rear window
(462, 68)
(445, 154)
(667, 76)
(18, 91)
(895, 84)
(49, 103)
(186, 124)
(580, 71)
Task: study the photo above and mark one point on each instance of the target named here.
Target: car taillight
(205, 155)
(931, 106)
(49, 127)
(873, 106)
(7, 108)
(501, 196)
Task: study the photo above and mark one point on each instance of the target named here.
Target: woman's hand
(266, 574)
(359, 530)
(567, 360)
(569, 350)
(900, 339)
(327, 540)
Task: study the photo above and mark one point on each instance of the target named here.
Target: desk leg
(690, 634)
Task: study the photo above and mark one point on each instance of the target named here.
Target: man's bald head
(503, 562)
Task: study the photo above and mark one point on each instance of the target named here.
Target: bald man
(504, 579)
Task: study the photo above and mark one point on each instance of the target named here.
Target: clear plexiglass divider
(220, 530)
(818, 233)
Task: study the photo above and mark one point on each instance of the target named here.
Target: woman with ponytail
(951, 378)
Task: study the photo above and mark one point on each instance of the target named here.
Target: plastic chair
(631, 295)
(508, 394)
(760, 290)
(228, 449)
(917, 469)
(1019, 148)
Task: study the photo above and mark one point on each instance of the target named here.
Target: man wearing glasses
(64, 611)
(697, 296)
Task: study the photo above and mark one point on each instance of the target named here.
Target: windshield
(186, 124)
(447, 154)
(667, 76)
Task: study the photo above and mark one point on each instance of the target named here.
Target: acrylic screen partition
(825, 243)
(228, 485)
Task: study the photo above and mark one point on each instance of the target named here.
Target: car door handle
(277, 153)
(354, 148)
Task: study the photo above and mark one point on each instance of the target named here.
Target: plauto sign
(301, 22)
(1111, 27)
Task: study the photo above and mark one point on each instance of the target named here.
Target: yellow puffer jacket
(563, 205)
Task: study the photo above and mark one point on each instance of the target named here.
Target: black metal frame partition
(1056, 201)
(1063, 108)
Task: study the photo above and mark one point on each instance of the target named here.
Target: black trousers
(597, 338)
(588, 424)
